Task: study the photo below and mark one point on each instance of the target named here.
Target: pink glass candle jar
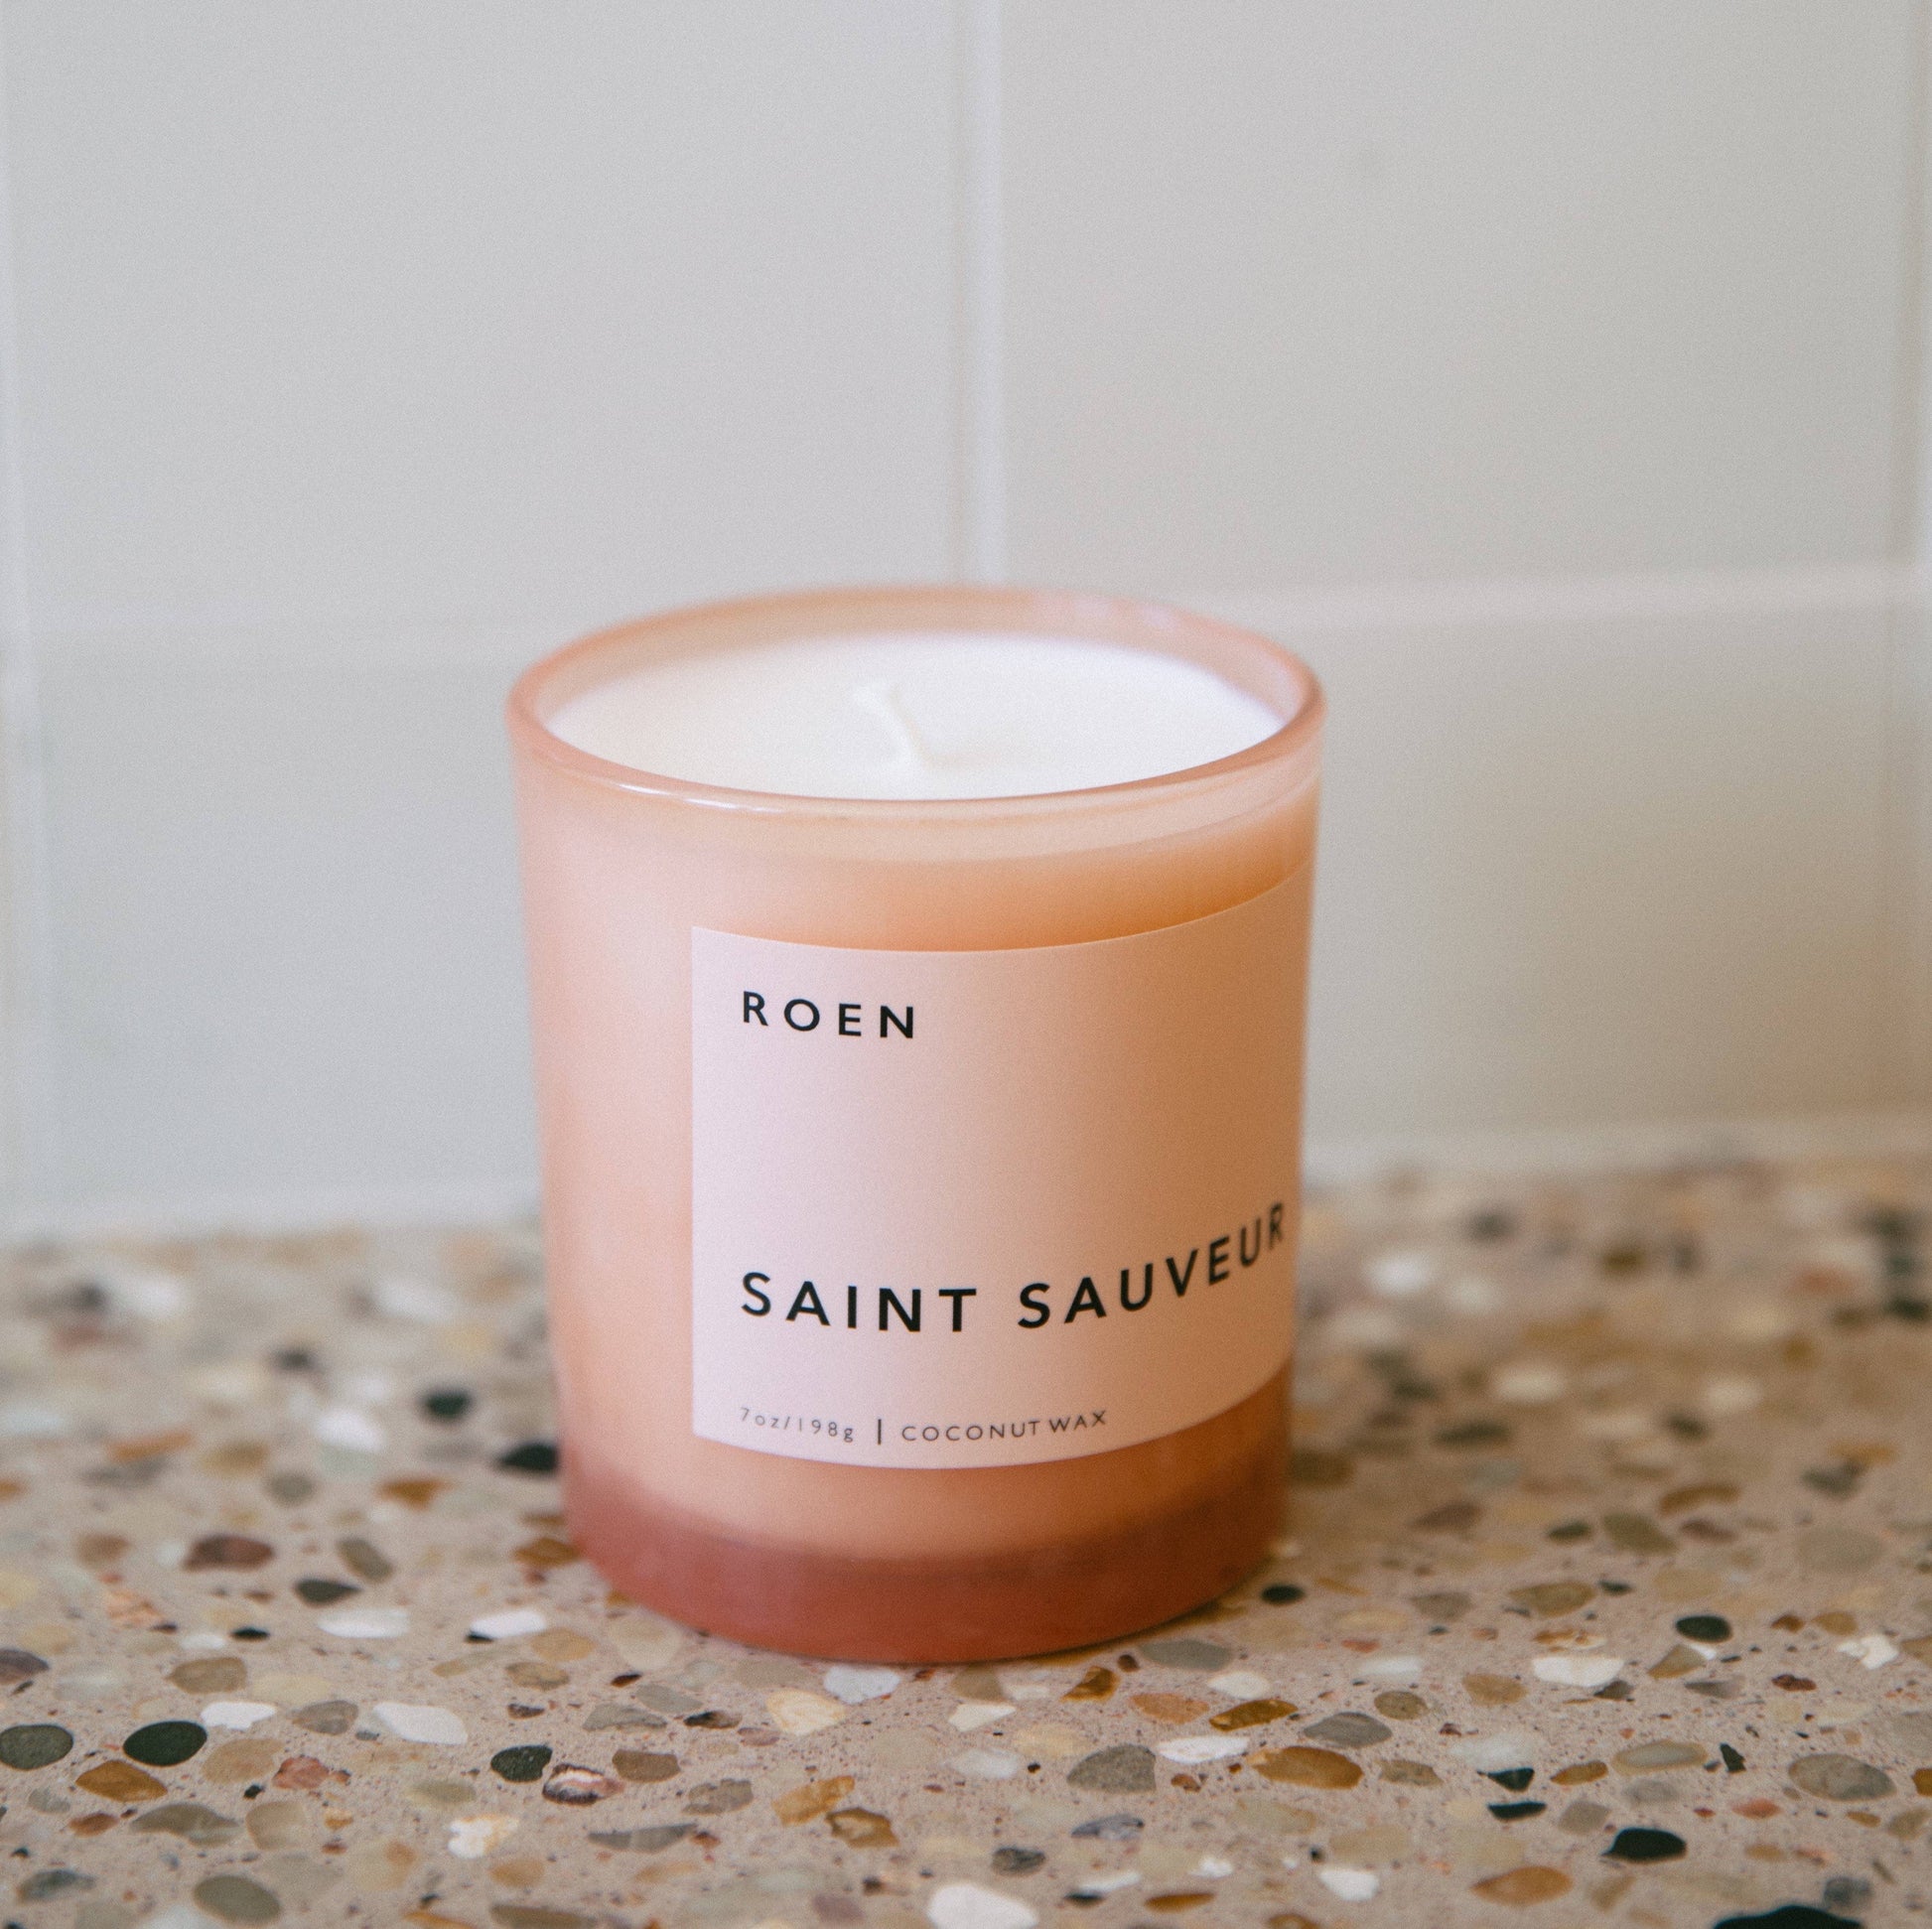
(920, 1167)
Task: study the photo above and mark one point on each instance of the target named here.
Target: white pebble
(1400, 1668)
(1488, 1753)
(855, 1685)
(797, 1711)
(966, 1905)
(988, 1764)
(236, 1714)
(350, 1428)
(1872, 1650)
(32, 1420)
(1400, 1274)
(401, 1296)
(1211, 1868)
(1529, 1383)
(1578, 1670)
(969, 1715)
(509, 1623)
(203, 1638)
(473, 1836)
(1728, 1394)
(1365, 1326)
(147, 1292)
(421, 1721)
(178, 1915)
(1241, 1683)
(1349, 1884)
(1092, 1886)
(365, 1623)
(1203, 1747)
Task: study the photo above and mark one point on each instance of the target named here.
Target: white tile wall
(1300, 291)
(1547, 373)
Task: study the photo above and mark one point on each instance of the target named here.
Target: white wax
(926, 713)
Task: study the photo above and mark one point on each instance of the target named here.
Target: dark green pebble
(1705, 1627)
(1516, 1811)
(161, 1744)
(1794, 1915)
(319, 1594)
(38, 1745)
(53, 1881)
(533, 1456)
(249, 1633)
(445, 1403)
(1513, 1779)
(525, 1764)
(1645, 1845)
(1282, 1593)
(1016, 1862)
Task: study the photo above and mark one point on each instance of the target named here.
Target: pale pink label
(975, 1208)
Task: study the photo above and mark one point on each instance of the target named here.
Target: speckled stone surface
(1608, 1598)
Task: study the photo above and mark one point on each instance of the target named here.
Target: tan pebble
(536, 1674)
(645, 1642)
(518, 1871)
(1266, 1816)
(1650, 1757)
(1517, 1887)
(246, 1761)
(293, 1691)
(1372, 1620)
(1381, 1843)
(643, 1765)
(120, 1781)
(1251, 1714)
(1835, 1620)
(1399, 1704)
(17, 1588)
(414, 1491)
(1552, 1597)
(547, 1551)
(1093, 1686)
(47, 1637)
(1680, 1661)
(377, 1867)
(1493, 1690)
(1411, 1774)
(439, 1794)
(1306, 1767)
(306, 1772)
(278, 1824)
(799, 1711)
(1578, 1772)
(1169, 1708)
(235, 1460)
(99, 1550)
(561, 1644)
(862, 1829)
(1050, 1741)
(1636, 1534)
(219, 1674)
(1709, 1493)
(810, 1800)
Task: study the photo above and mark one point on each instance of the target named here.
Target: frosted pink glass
(618, 867)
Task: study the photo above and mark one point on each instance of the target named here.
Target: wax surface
(964, 714)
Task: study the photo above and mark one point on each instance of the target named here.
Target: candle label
(978, 1208)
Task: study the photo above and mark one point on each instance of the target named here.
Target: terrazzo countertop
(1609, 1600)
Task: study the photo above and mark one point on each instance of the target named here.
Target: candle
(917, 982)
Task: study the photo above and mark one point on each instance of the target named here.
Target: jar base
(1073, 1594)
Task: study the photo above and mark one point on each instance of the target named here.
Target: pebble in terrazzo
(1608, 1597)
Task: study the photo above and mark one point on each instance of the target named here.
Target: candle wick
(882, 702)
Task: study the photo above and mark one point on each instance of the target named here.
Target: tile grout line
(980, 487)
(26, 968)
